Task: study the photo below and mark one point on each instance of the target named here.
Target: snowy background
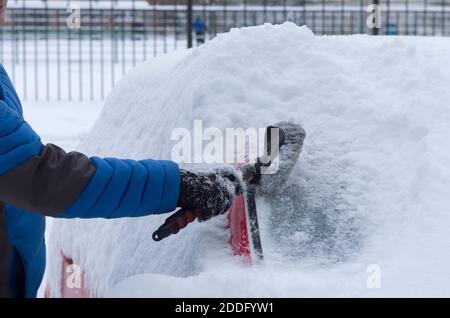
(374, 167)
(48, 61)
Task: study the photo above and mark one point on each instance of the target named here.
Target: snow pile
(374, 171)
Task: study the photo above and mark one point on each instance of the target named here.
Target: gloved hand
(202, 196)
(213, 192)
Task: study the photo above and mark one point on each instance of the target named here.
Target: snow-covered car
(366, 205)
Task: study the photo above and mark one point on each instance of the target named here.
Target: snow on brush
(369, 196)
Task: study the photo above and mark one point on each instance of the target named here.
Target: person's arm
(47, 180)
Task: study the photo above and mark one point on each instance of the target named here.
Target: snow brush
(251, 175)
(244, 207)
(177, 221)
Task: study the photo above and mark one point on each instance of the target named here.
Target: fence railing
(51, 57)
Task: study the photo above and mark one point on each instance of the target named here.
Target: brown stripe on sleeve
(49, 183)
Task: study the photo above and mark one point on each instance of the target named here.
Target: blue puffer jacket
(38, 180)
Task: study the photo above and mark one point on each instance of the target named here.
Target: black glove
(202, 196)
(213, 192)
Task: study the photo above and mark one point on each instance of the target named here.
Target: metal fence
(50, 58)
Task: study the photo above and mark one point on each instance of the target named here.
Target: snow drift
(374, 170)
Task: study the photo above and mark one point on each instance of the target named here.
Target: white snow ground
(375, 160)
(63, 124)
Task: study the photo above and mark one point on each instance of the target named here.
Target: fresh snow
(63, 124)
(374, 167)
